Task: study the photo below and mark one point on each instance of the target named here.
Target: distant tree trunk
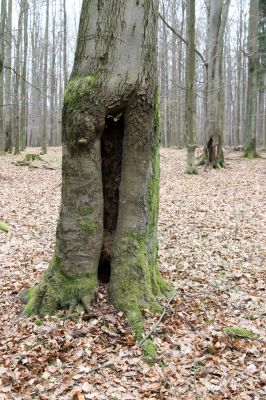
(8, 63)
(16, 107)
(239, 77)
(251, 103)
(65, 45)
(45, 82)
(173, 125)
(53, 126)
(2, 56)
(109, 206)
(215, 90)
(24, 97)
(180, 103)
(190, 89)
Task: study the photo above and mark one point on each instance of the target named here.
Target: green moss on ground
(251, 154)
(32, 157)
(236, 331)
(4, 227)
(149, 351)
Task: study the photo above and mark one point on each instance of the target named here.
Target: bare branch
(182, 39)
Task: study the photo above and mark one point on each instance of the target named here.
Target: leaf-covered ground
(211, 344)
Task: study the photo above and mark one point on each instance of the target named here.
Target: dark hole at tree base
(111, 153)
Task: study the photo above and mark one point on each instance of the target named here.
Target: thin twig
(159, 320)
(104, 365)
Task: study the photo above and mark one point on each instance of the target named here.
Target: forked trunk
(108, 219)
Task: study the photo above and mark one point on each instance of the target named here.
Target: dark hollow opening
(111, 153)
(210, 150)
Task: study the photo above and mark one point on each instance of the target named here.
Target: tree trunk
(8, 63)
(2, 56)
(109, 209)
(53, 126)
(215, 90)
(190, 89)
(251, 103)
(24, 97)
(45, 83)
(16, 107)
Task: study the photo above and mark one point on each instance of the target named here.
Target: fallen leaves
(212, 248)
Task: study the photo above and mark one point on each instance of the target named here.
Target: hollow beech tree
(218, 13)
(109, 207)
(251, 103)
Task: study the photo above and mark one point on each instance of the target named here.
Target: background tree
(218, 13)
(2, 57)
(109, 208)
(251, 104)
(190, 88)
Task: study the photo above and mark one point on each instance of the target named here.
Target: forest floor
(211, 343)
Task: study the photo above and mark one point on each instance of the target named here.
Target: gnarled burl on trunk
(107, 227)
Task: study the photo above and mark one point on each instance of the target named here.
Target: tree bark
(109, 207)
(2, 56)
(251, 103)
(16, 114)
(45, 82)
(8, 63)
(190, 90)
(215, 89)
(24, 91)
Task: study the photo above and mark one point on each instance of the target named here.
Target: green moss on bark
(57, 290)
(78, 87)
(85, 211)
(88, 224)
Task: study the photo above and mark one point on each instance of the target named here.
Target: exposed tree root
(58, 291)
(136, 281)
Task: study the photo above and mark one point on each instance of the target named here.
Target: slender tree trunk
(2, 57)
(65, 45)
(24, 96)
(190, 89)
(8, 62)
(16, 107)
(239, 77)
(45, 83)
(53, 91)
(251, 103)
(109, 206)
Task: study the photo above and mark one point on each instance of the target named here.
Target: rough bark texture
(110, 165)
(215, 89)
(190, 87)
(2, 56)
(251, 104)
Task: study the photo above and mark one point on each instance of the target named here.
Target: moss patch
(78, 87)
(32, 157)
(88, 224)
(236, 331)
(84, 211)
(149, 351)
(56, 290)
(3, 227)
(251, 154)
